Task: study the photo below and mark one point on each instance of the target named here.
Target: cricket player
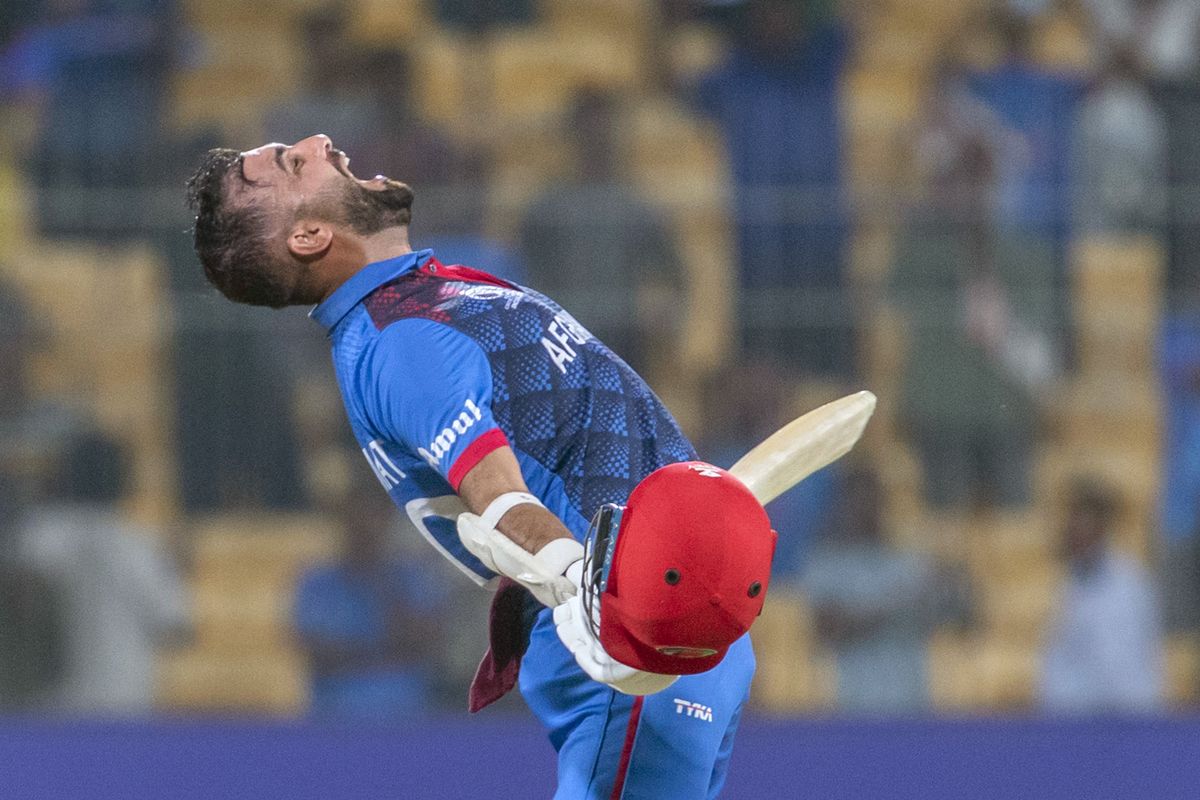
(626, 573)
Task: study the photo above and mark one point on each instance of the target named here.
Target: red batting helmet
(681, 571)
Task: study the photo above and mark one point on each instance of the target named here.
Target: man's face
(313, 178)
(1083, 535)
(305, 168)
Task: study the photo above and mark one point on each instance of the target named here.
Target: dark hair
(231, 240)
(93, 468)
(1091, 495)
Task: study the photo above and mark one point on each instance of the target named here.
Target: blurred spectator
(122, 599)
(455, 227)
(102, 72)
(399, 142)
(1103, 650)
(370, 623)
(481, 16)
(1164, 35)
(1032, 181)
(237, 437)
(334, 97)
(1179, 504)
(776, 102)
(363, 100)
(31, 617)
(875, 606)
(978, 308)
(600, 249)
(449, 178)
(15, 15)
(235, 432)
(744, 403)
(31, 428)
(1119, 156)
(1039, 105)
(18, 340)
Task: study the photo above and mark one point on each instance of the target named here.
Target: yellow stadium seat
(243, 656)
(256, 546)
(629, 18)
(881, 100)
(1061, 43)
(791, 675)
(893, 43)
(273, 682)
(1002, 536)
(675, 159)
(1016, 602)
(534, 72)
(693, 50)
(1118, 290)
(1113, 412)
(241, 616)
(441, 69)
(390, 22)
(954, 675)
(1008, 672)
(970, 672)
(252, 63)
(1182, 656)
(114, 363)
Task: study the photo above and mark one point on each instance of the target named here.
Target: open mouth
(341, 162)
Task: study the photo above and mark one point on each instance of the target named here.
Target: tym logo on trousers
(442, 443)
(694, 710)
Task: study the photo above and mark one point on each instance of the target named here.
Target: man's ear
(308, 239)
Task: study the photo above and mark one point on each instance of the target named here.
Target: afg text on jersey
(562, 332)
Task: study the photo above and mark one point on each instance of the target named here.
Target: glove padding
(570, 619)
(552, 575)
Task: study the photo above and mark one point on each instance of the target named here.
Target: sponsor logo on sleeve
(439, 448)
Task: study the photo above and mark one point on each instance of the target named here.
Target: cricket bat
(804, 446)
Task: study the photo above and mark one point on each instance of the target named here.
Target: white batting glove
(552, 575)
(570, 619)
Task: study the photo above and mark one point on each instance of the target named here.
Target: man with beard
(484, 402)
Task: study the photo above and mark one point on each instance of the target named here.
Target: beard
(369, 211)
(365, 211)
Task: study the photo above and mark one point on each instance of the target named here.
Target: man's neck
(386, 244)
(381, 246)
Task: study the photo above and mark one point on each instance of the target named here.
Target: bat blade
(804, 446)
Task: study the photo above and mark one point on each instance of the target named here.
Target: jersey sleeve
(428, 387)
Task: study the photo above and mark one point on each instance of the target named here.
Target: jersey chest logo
(563, 331)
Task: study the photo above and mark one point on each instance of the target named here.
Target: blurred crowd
(1010, 159)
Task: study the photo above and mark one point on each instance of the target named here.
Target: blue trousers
(674, 745)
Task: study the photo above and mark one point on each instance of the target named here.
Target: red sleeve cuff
(475, 453)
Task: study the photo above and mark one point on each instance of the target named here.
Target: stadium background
(762, 205)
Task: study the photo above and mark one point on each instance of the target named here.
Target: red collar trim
(459, 272)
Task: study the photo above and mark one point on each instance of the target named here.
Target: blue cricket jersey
(439, 365)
